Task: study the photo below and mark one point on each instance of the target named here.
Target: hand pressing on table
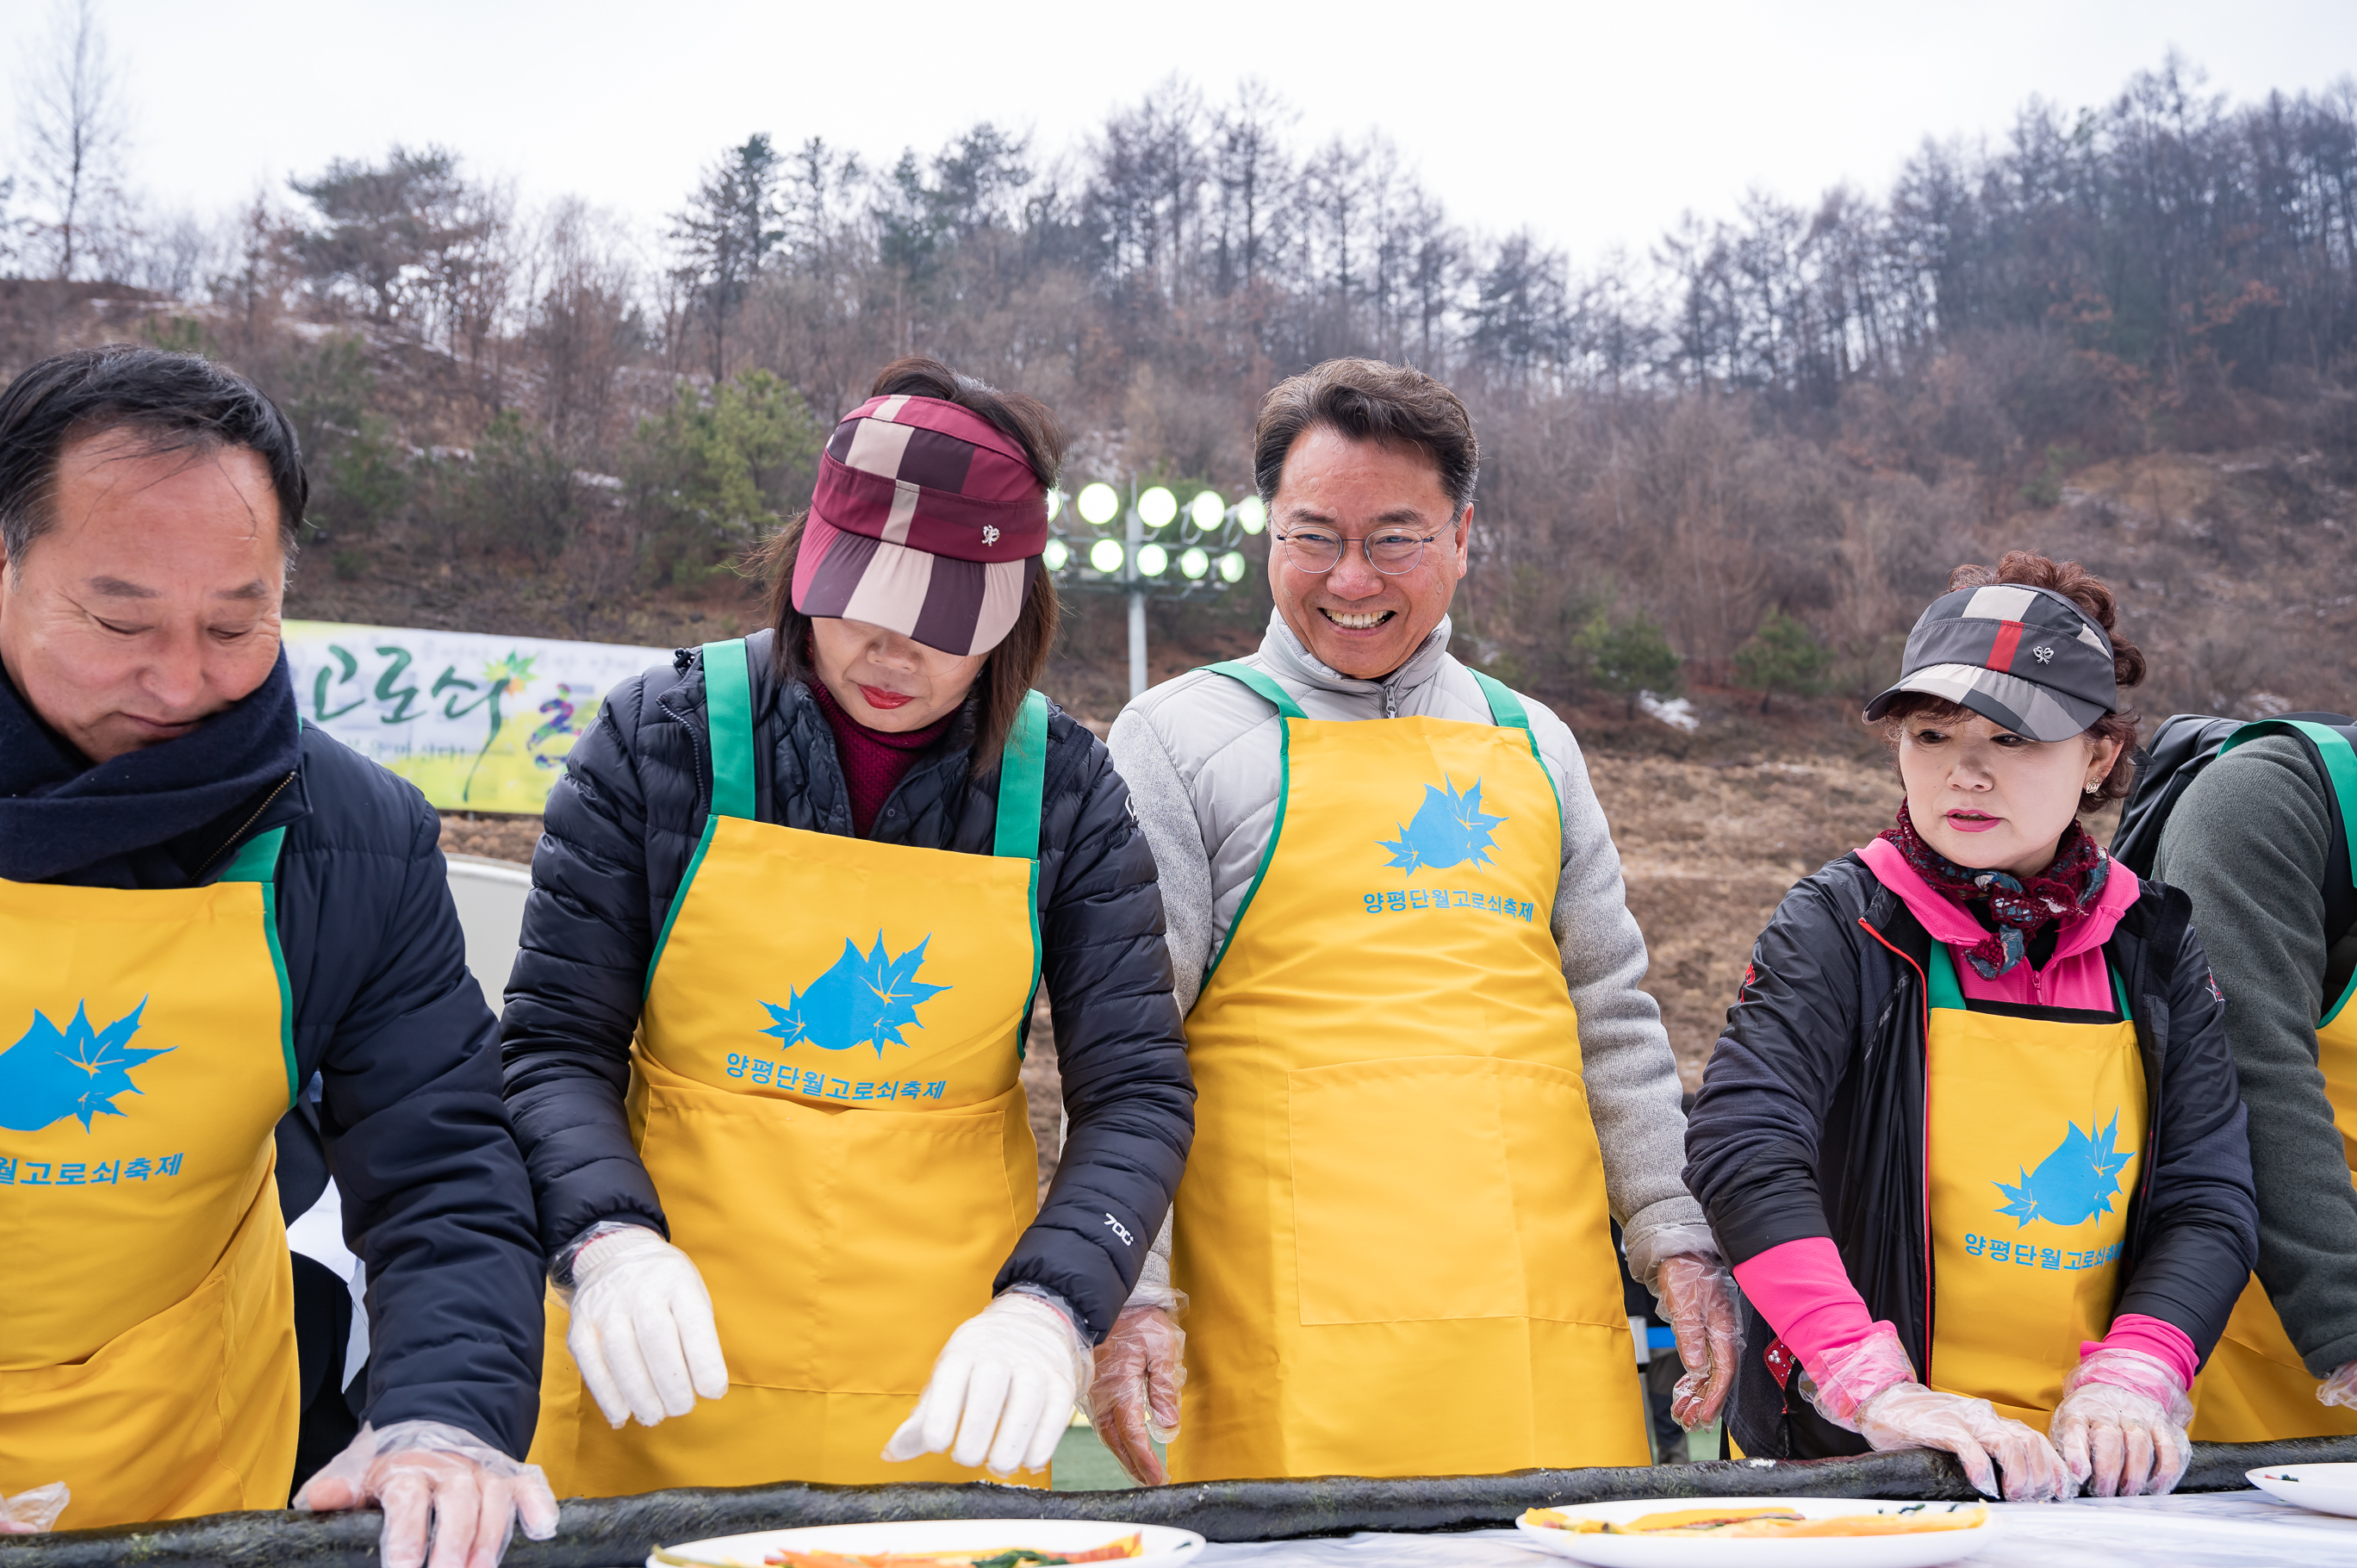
(2121, 1424)
(1870, 1387)
(440, 1487)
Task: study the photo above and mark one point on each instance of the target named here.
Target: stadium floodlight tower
(1163, 550)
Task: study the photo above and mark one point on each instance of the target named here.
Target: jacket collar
(1290, 660)
(1950, 922)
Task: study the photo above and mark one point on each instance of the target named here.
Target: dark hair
(169, 403)
(2094, 596)
(1014, 665)
(1367, 400)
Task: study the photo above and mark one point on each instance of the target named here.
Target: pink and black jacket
(1811, 1123)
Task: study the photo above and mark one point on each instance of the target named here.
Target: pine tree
(731, 226)
(1629, 659)
(1783, 655)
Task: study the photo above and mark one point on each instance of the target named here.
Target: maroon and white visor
(927, 520)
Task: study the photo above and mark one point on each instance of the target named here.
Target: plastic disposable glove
(641, 1328)
(1870, 1387)
(1135, 1394)
(34, 1510)
(1001, 1389)
(1847, 1378)
(1908, 1416)
(2340, 1388)
(1697, 1297)
(440, 1486)
(2122, 1421)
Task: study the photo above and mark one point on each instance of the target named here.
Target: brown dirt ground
(1709, 851)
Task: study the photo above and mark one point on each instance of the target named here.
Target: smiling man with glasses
(1426, 1077)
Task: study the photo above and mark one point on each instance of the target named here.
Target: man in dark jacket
(1835, 1002)
(151, 766)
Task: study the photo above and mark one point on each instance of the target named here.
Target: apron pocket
(840, 1246)
(1448, 1187)
(135, 1428)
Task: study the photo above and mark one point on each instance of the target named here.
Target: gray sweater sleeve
(1168, 816)
(2248, 841)
(1627, 1065)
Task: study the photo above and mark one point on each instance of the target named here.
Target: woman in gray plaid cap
(795, 899)
(1972, 1138)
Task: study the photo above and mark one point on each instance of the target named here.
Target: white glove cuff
(560, 1267)
(1043, 1300)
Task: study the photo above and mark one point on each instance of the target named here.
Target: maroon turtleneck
(873, 761)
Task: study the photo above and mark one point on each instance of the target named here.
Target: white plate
(2327, 1488)
(1702, 1552)
(1165, 1547)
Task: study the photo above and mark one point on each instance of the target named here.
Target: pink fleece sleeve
(2165, 1342)
(1803, 1292)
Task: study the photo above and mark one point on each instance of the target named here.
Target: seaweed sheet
(619, 1532)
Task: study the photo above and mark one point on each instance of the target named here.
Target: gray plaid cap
(2024, 658)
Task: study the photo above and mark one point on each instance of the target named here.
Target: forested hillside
(1736, 462)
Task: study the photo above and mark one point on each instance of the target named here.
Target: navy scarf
(63, 820)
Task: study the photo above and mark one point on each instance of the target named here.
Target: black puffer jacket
(1811, 1122)
(622, 826)
(393, 1038)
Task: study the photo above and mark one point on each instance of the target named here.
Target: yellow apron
(147, 1325)
(2035, 1139)
(2255, 1388)
(1392, 1224)
(824, 1091)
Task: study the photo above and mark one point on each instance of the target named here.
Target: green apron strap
(2340, 767)
(728, 719)
(1022, 779)
(1940, 975)
(1285, 706)
(1506, 710)
(257, 861)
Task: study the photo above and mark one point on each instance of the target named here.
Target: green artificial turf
(1084, 1465)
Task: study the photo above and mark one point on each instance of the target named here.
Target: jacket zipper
(1924, 1159)
(231, 842)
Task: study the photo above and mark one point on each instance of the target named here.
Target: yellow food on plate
(1775, 1524)
(1131, 1545)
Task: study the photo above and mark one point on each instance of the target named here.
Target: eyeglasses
(1391, 551)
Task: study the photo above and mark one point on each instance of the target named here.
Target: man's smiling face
(1355, 619)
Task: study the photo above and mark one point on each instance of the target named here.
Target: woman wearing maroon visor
(1972, 1138)
(795, 898)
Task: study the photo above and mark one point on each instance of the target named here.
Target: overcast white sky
(1595, 124)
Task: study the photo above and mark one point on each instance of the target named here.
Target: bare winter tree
(75, 131)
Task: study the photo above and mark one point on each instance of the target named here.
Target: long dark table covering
(619, 1532)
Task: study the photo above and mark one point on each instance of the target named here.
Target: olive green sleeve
(2248, 841)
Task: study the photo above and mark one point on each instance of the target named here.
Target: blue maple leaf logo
(2073, 1183)
(861, 999)
(52, 1073)
(1448, 829)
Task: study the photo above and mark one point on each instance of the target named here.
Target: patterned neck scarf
(2069, 885)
